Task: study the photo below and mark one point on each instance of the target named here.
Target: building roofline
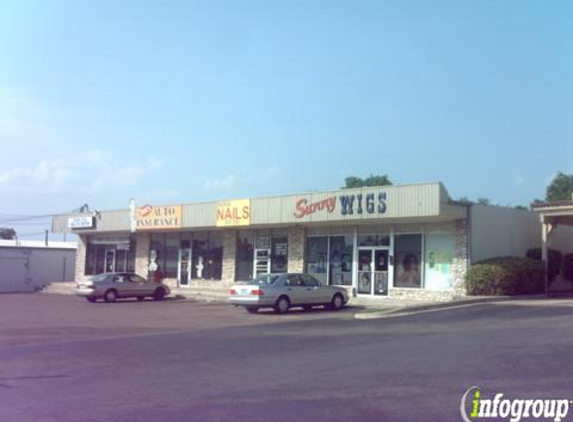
(289, 195)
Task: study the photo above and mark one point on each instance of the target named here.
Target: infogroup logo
(474, 407)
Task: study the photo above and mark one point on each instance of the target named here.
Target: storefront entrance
(373, 271)
(184, 273)
(109, 263)
(262, 255)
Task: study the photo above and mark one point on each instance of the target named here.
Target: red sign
(303, 208)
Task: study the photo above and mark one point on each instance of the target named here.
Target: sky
(171, 102)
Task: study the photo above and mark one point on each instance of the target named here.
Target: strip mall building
(409, 241)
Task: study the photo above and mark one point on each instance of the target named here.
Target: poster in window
(408, 261)
(439, 258)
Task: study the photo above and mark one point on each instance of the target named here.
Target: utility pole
(46, 232)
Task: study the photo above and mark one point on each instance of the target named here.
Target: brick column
(229, 256)
(461, 258)
(142, 242)
(81, 253)
(296, 249)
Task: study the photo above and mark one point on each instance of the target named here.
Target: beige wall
(500, 231)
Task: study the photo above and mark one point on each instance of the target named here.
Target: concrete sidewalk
(372, 309)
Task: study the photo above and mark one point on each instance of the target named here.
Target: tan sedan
(111, 286)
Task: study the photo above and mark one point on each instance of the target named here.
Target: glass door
(373, 271)
(365, 271)
(109, 263)
(262, 261)
(184, 273)
(380, 273)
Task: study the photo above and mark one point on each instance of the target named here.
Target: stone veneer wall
(296, 249)
(420, 295)
(81, 253)
(142, 254)
(461, 258)
(229, 252)
(459, 268)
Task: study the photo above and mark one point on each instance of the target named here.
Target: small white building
(27, 266)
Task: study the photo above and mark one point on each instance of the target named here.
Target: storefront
(399, 241)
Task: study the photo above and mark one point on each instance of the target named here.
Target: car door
(140, 287)
(122, 284)
(295, 289)
(314, 290)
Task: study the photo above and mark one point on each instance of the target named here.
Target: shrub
(506, 276)
(568, 266)
(554, 258)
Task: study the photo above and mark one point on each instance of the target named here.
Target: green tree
(560, 188)
(464, 200)
(7, 233)
(483, 201)
(372, 180)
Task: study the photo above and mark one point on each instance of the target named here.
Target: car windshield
(99, 278)
(264, 279)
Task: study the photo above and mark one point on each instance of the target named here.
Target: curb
(461, 303)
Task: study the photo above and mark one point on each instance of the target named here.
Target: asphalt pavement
(63, 359)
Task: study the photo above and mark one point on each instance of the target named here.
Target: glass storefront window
(171, 256)
(215, 257)
(120, 260)
(407, 260)
(279, 254)
(316, 257)
(340, 263)
(439, 251)
(109, 257)
(245, 255)
(374, 240)
(99, 259)
(164, 254)
(90, 259)
(330, 263)
(156, 255)
(207, 256)
(200, 252)
(130, 265)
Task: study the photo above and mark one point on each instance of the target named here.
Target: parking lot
(30, 319)
(63, 359)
